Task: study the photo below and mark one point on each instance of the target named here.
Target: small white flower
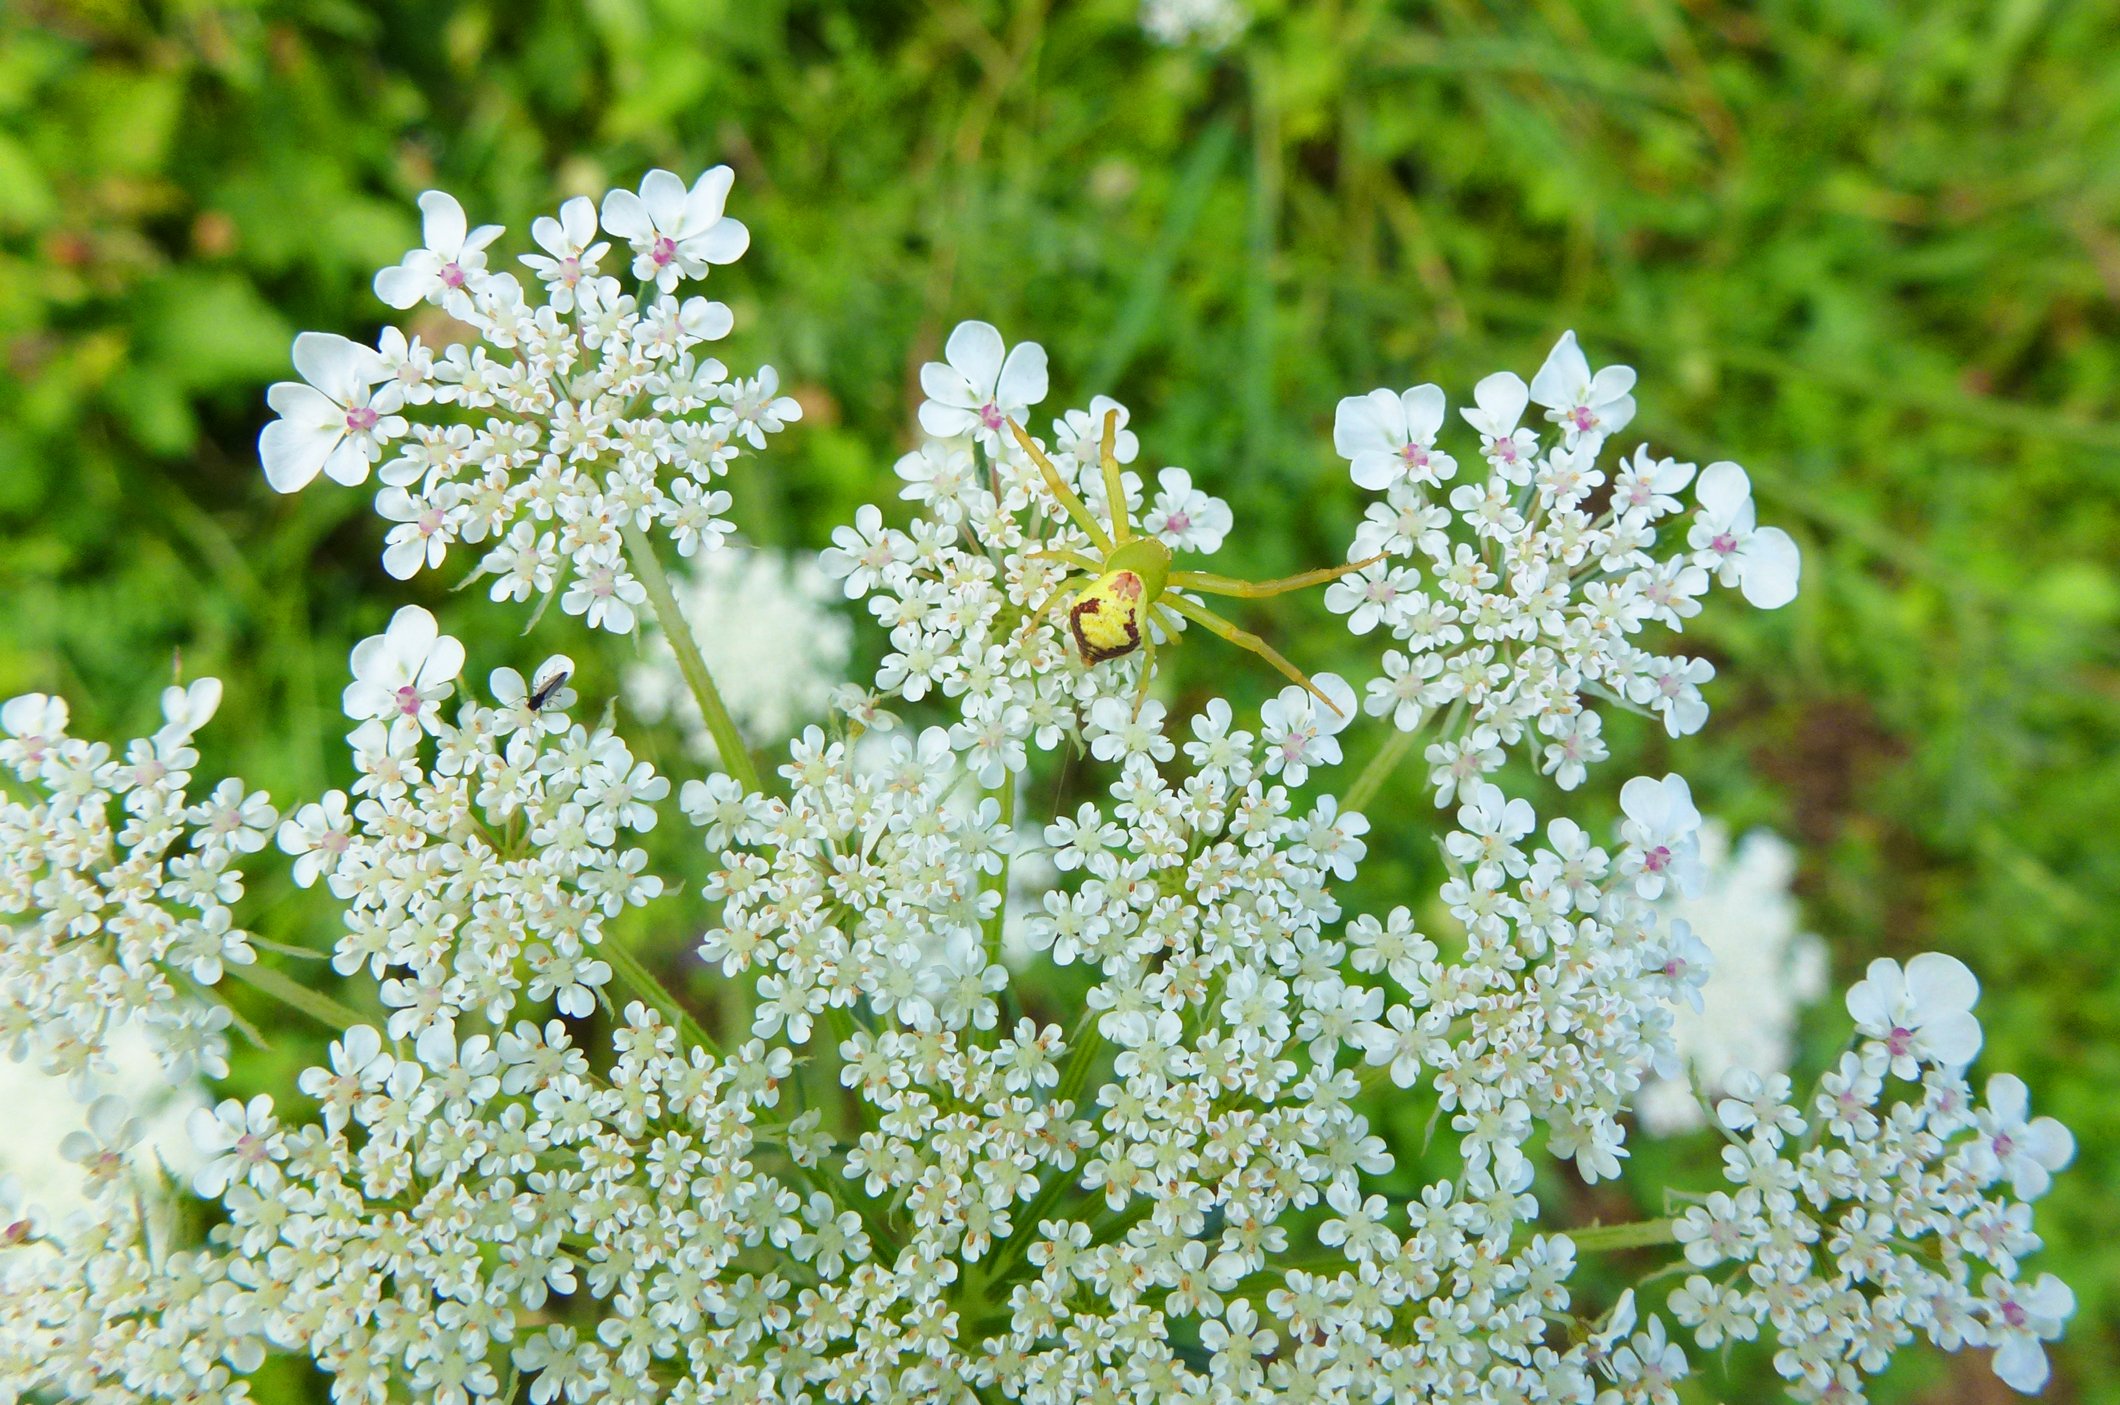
(186, 710)
(976, 389)
(1498, 406)
(754, 408)
(677, 233)
(1183, 518)
(1210, 24)
(865, 554)
(1762, 562)
(2021, 1316)
(1372, 596)
(317, 835)
(1389, 438)
(358, 1065)
(451, 265)
(1079, 434)
(401, 675)
(1921, 1014)
(1662, 831)
(572, 252)
(1405, 692)
(100, 1148)
(240, 1141)
(1300, 732)
(1116, 732)
(2023, 1150)
(604, 592)
(1489, 826)
(1651, 486)
(338, 422)
(1577, 745)
(1586, 407)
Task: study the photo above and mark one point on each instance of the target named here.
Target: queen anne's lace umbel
(575, 408)
(1515, 599)
(877, 1173)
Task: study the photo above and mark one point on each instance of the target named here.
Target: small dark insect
(547, 687)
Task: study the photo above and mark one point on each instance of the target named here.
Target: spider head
(1109, 614)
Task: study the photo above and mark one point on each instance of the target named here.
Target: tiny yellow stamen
(1105, 617)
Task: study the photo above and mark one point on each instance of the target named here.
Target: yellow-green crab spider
(1131, 578)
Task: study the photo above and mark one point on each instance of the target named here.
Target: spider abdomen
(1106, 616)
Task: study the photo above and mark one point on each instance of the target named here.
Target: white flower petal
(664, 196)
(1723, 491)
(708, 197)
(975, 349)
(1941, 983)
(723, 242)
(1023, 378)
(402, 287)
(1424, 407)
(1772, 569)
(1501, 398)
(625, 216)
(442, 223)
(1563, 377)
(343, 369)
(293, 453)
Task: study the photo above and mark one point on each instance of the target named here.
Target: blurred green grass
(1871, 251)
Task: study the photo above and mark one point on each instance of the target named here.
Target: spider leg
(1053, 598)
(1244, 639)
(1212, 584)
(1148, 671)
(1114, 487)
(1072, 558)
(1057, 486)
(1173, 627)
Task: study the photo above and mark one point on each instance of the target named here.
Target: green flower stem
(1641, 1234)
(1378, 771)
(288, 991)
(635, 973)
(998, 882)
(735, 756)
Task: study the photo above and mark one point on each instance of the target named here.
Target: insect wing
(546, 687)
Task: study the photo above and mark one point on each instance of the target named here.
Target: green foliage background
(1870, 250)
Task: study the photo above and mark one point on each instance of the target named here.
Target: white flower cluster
(114, 1308)
(1562, 999)
(1515, 597)
(457, 1209)
(572, 411)
(1898, 1208)
(1766, 970)
(1201, 911)
(861, 885)
(767, 627)
(878, 1172)
(56, 1148)
(971, 592)
(126, 882)
(484, 859)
